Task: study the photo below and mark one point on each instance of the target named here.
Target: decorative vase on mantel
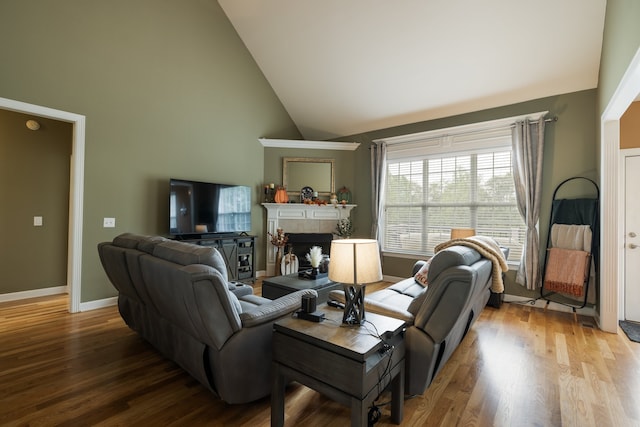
(276, 269)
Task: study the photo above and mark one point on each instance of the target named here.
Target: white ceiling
(342, 67)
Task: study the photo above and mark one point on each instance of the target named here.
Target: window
(452, 178)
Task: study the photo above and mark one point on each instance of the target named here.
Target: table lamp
(462, 233)
(354, 263)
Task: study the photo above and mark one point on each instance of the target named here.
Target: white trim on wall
(612, 201)
(100, 303)
(34, 293)
(76, 190)
(317, 145)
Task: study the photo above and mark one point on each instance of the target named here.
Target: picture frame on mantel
(300, 172)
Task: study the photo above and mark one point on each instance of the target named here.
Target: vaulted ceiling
(342, 67)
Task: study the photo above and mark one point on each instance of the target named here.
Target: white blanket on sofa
(488, 248)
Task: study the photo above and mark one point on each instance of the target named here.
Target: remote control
(336, 304)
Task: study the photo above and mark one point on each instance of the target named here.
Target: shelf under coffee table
(277, 286)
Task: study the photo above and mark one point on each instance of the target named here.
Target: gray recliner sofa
(437, 316)
(177, 297)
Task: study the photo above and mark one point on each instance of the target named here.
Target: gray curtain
(378, 166)
(527, 152)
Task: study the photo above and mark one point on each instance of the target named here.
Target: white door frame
(76, 190)
(612, 200)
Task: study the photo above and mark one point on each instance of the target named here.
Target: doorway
(612, 207)
(632, 236)
(76, 189)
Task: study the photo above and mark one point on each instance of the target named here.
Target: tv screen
(208, 208)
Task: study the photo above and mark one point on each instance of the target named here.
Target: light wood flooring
(518, 366)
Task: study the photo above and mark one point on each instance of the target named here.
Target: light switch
(109, 223)
(37, 221)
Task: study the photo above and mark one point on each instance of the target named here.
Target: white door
(632, 239)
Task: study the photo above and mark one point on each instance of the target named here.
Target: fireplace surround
(300, 244)
(301, 218)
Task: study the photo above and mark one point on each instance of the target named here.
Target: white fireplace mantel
(301, 218)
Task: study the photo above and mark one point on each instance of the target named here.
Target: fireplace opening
(300, 244)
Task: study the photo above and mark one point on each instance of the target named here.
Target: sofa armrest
(377, 307)
(274, 309)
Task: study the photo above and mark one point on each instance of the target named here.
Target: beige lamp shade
(461, 233)
(355, 261)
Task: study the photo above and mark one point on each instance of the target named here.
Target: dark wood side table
(349, 364)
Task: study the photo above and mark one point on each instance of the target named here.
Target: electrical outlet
(37, 221)
(109, 223)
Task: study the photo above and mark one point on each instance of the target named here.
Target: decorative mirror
(300, 172)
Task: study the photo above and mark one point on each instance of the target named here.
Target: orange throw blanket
(566, 271)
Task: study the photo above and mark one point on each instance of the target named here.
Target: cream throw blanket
(488, 248)
(568, 236)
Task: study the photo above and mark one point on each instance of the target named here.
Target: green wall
(570, 150)
(34, 181)
(621, 41)
(168, 90)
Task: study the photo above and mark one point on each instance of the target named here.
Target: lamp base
(354, 305)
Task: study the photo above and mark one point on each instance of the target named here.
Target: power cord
(373, 416)
(531, 301)
(387, 349)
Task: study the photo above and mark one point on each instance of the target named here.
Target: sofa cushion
(187, 253)
(273, 309)
(407, 287)
(390, 297)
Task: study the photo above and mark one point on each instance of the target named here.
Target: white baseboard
(35, 293)
(101, 303)
(57, 290)
(542, 303)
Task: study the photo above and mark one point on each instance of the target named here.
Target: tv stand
(238, 251)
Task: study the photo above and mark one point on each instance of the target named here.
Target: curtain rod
(477, 127)
(549, 120)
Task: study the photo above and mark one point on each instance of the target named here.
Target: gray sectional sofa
(177, 296)
(439, 315)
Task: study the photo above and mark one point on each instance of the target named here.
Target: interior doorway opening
(76, 189)
(612, 207)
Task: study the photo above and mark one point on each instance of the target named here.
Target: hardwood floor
(518, 366)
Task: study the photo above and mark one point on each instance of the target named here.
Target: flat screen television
(199, 208)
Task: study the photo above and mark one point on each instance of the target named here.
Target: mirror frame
(286, 174)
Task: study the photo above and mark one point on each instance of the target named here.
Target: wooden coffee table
(277, 286)
(349, 364)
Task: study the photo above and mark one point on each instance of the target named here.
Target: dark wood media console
(238, 251)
